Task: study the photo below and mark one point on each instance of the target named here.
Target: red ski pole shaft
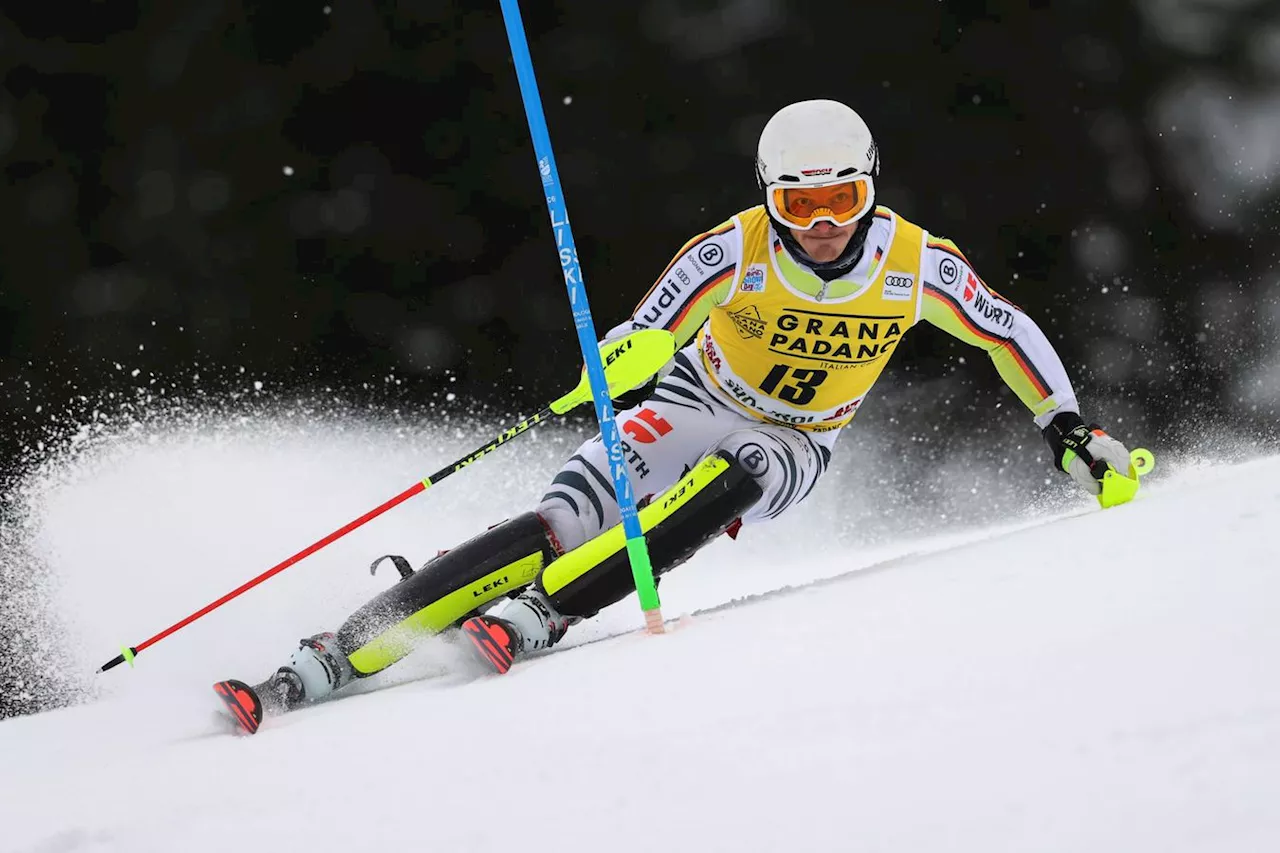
(421, 486)
(269, 573)
(628, 362)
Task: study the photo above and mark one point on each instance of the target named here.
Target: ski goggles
(840, 204)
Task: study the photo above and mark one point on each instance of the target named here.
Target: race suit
(773, 361)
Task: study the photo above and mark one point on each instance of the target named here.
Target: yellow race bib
(808, 360)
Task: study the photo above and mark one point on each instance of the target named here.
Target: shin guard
(446, 590)
(699, 507)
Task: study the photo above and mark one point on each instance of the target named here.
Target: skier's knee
(580, 501)
(785, 463)
(564, 525)
(744, 447)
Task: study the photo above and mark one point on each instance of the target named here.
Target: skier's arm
(698, 278)
(958, 302)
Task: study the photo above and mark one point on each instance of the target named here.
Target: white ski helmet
(817, 145)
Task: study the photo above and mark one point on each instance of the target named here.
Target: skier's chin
(824, 244)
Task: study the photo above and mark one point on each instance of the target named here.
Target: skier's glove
(636, 396)
(640, 393)
(1084, 452)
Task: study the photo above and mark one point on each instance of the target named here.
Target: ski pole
(629, 361)
(637, 549)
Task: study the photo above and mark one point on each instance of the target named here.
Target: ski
(243, 704)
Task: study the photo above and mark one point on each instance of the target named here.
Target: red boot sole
(242, 702)
(490, 644)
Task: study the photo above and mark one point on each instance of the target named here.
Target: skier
(784, 315)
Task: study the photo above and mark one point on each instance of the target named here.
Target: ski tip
(491, 642)
(243, 704)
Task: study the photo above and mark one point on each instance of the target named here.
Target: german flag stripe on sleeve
(950, 301)
(997, 296)
(951, 249)
(943, 245)
(684, 250)
(1024, 363)
(702, 290)
(1019, 355)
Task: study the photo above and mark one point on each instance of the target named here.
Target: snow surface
(1089, 681)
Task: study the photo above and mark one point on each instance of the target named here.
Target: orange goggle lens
(801, 207)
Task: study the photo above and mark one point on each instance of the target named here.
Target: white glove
(1086, 453)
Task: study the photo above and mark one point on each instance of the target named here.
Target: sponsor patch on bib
(898, 285)
(748, 322)
(753, 279)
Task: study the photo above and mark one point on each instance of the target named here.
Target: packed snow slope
(1088, 681)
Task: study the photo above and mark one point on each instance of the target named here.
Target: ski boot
(315, 670)
(522, 624)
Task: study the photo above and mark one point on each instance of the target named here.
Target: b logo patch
(753, 459)
(711, 254)
(948, 271)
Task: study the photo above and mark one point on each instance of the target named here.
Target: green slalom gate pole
(637, 549)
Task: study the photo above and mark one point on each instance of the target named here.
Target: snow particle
(288, 170)
(568, 99)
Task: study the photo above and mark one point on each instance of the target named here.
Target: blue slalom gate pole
(637, 549)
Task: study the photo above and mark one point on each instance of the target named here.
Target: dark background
(1115, 157)
(211, 193)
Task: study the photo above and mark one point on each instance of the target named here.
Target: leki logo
(970, 287)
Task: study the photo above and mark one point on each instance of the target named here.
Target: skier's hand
(1086, 453)
(636, 396)
(640, 393)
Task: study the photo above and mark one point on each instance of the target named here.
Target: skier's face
(824, 241)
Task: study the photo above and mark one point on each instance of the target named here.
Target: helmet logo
(809, 173)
